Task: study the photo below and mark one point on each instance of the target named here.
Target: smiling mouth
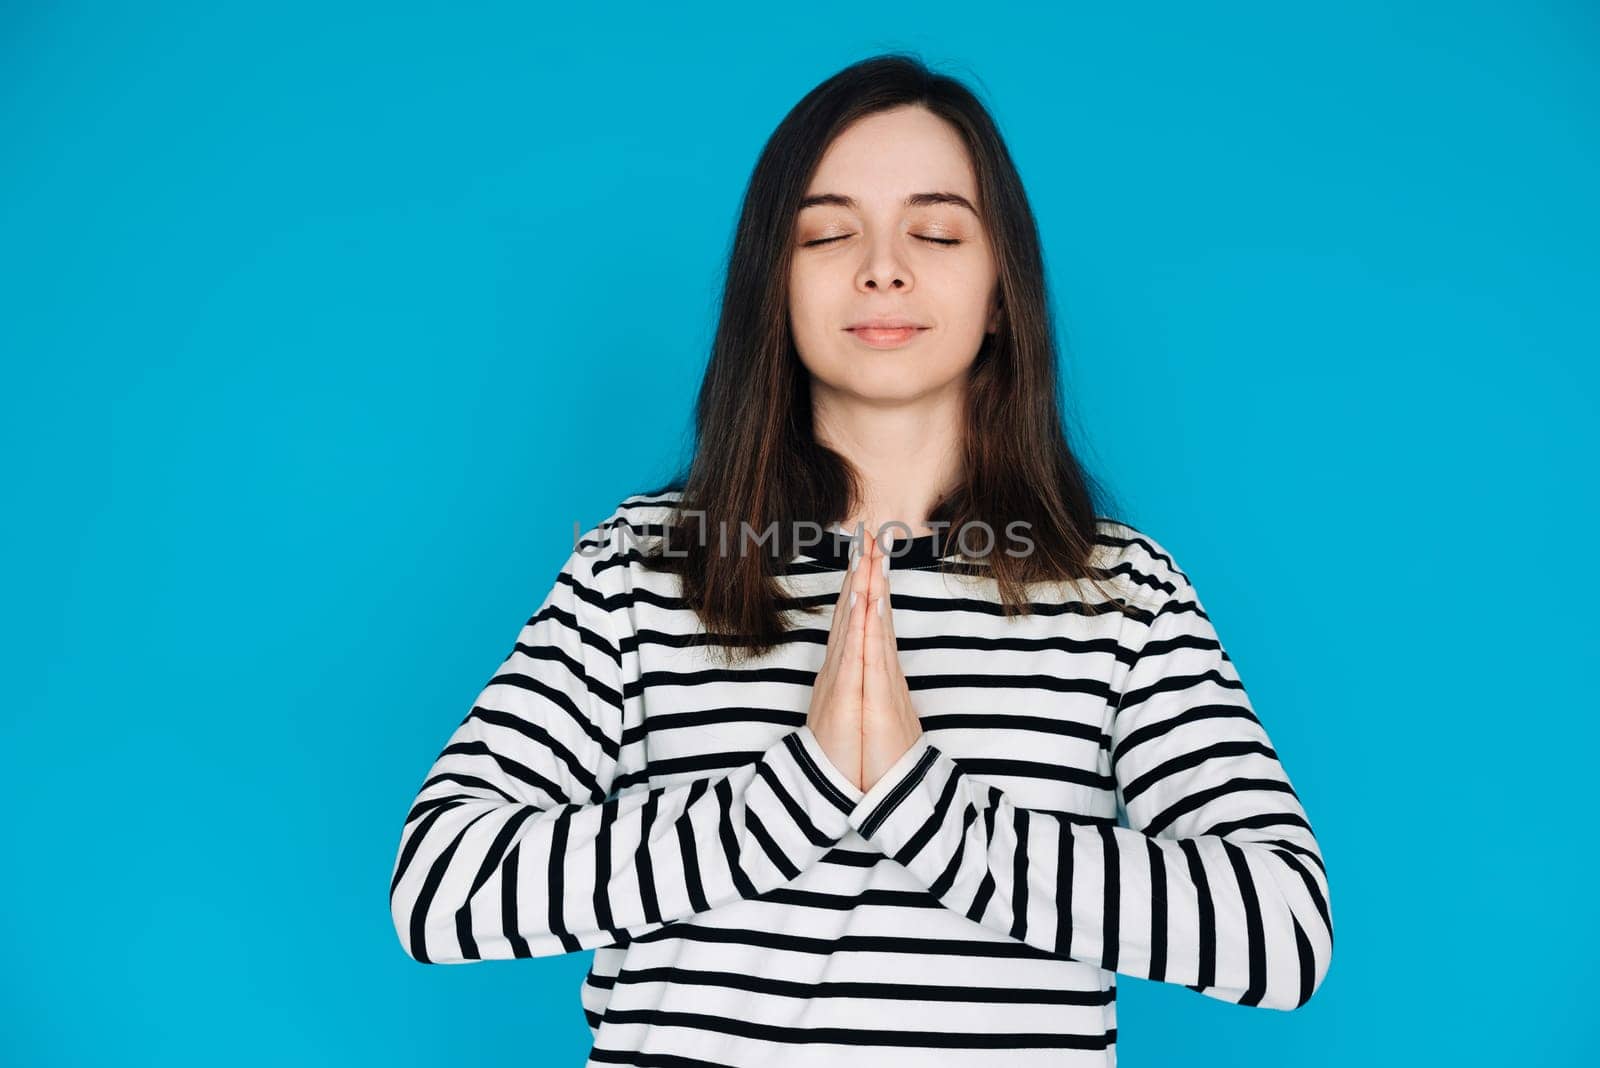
(886, 337)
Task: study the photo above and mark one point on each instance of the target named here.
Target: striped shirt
(1092, 796)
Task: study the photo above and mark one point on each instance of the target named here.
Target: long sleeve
(1217, 882)
(515, 845)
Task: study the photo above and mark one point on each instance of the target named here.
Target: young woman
(810, 792)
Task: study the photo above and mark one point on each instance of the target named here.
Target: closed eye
(935, 240)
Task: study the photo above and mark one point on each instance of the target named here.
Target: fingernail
(854, 560)
(852, 598)
(885, 565)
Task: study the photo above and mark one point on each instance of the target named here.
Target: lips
(886, 337)
(883, 322)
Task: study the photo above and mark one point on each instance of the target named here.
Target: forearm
(1240, 916)
(483, 877)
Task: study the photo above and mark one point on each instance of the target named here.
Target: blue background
(324, 326)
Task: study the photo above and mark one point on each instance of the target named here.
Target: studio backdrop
(327, 329)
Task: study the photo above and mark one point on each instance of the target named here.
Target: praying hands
(861, 708)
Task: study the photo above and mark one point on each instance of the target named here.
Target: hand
(889, 723)
(835, 712)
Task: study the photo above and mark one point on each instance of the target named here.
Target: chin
(898, 384)
(889, 374)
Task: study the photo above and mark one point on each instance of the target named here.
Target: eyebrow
(915, 200)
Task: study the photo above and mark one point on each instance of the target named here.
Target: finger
(849, 585)
(890, 644)
(873, 685)
(862, 547)
(849, 677)
(872, 563)
(868, 569)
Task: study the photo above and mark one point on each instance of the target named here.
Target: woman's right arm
(515, 846)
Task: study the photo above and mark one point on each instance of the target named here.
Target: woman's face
(889, 229)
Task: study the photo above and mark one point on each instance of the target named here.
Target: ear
(994, 316)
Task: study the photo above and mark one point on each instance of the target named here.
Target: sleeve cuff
(889, 794)
(896, 807)
(834, 779)
(813, 797)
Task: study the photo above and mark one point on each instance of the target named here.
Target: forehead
(882, 158)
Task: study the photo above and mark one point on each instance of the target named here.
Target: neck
(906, 455)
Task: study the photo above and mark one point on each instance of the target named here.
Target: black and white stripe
(1092, 795)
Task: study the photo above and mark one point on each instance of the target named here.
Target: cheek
(808, 307)
(965, 303)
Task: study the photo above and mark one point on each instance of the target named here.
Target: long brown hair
(756, 460)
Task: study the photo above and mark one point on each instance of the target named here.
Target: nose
(883, 268)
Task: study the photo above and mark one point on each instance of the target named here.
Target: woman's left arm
(1218, 883)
